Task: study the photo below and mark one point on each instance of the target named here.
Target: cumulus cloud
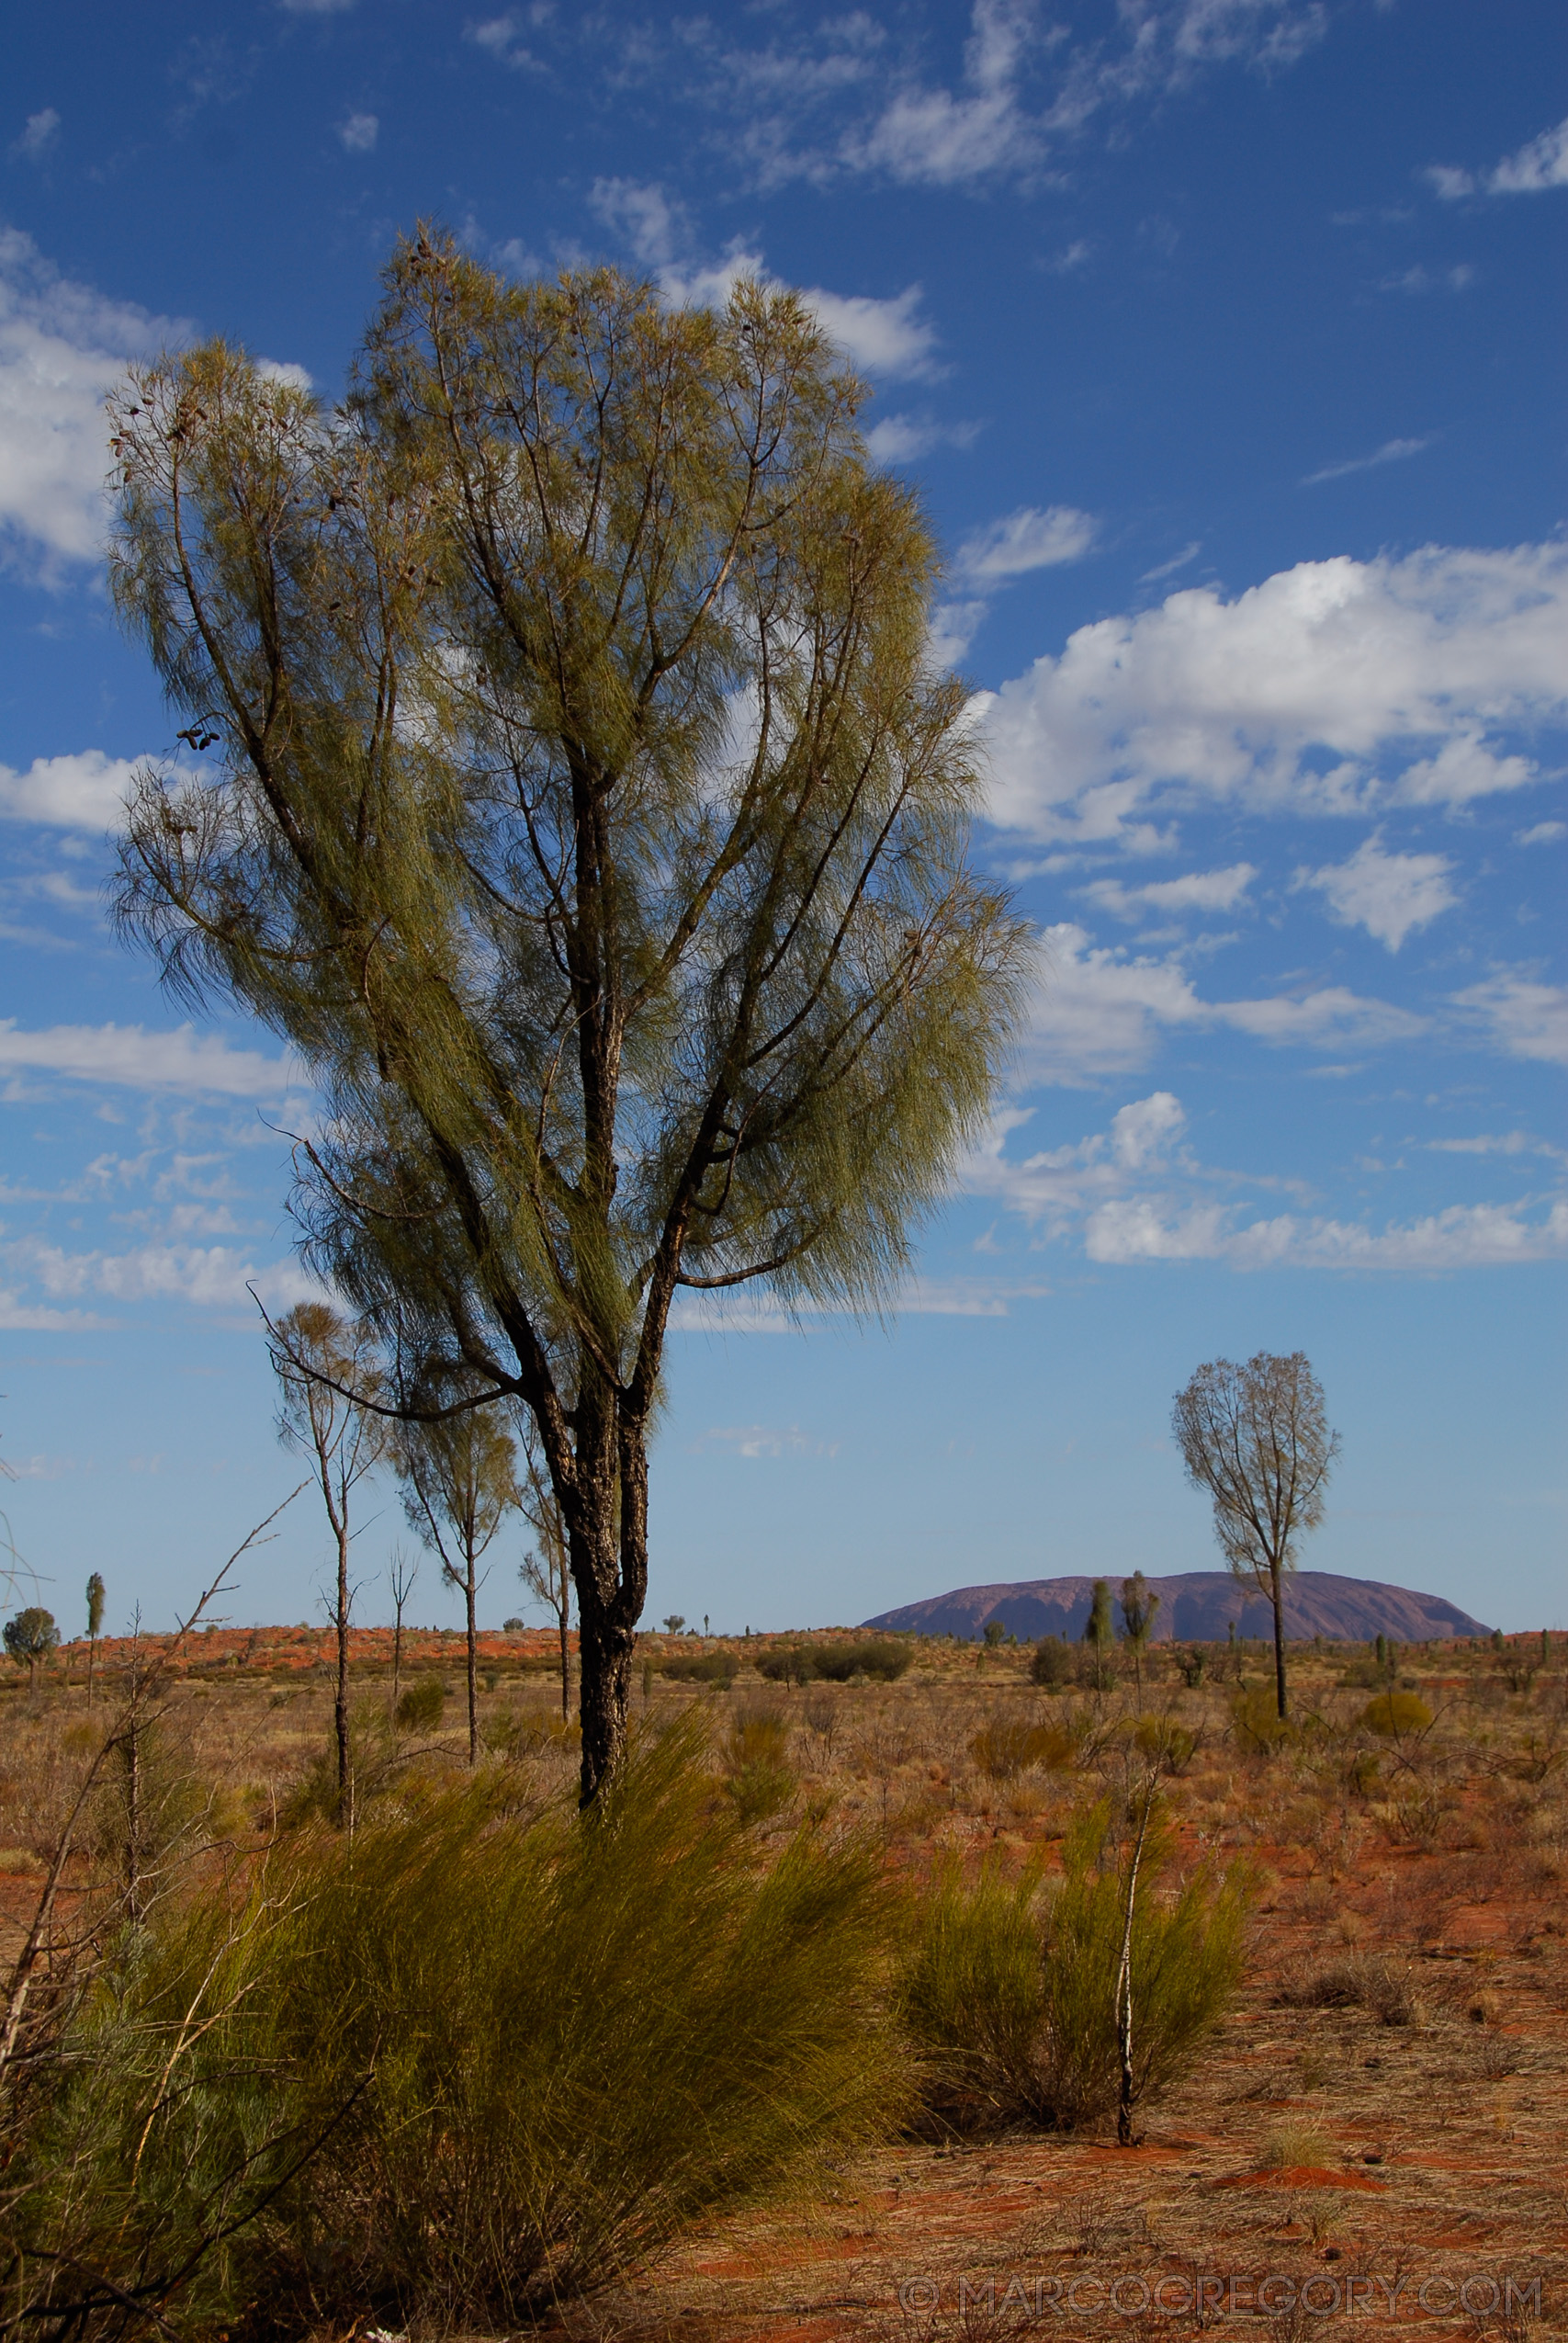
(1336, 687)
(501, 37)
(358, 133)
(1027, 539)
(82, 792)
(1533, 168)
(903, 440)
(1136, 1193)
(1389, 895)
(938, 138)
(1523, 1017)
(1101, 1011)
(129, 1057)
(61, 345)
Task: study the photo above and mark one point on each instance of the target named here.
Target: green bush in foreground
(1395, 1716)
(1012, 2006)
(469, 2061)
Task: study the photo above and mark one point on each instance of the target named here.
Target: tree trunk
(563, 1605)
(340, 1703)
(397, 1655)
(92, 1654)
(1276, 1591)
(608, 1533)
(468, 1592)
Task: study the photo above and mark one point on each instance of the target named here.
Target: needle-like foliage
(588, 815)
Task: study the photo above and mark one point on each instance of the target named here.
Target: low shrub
(1358, 1981)
(757, 1777)
(1011, 1745)
(1295, 2146)
(435, 2076)
(882, 1658)
(1052, 1668)
(1256, 1723)
(700, 1667)
(1394, 1716)
(970, 1993)
(1170, 1744)
(420, 1709)
(1013, 2010)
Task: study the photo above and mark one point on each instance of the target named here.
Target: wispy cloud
(358, 132)
(1025, 540)
(1393, 451)
(208, 1277)
(1527, 1019)
(1178, 562)
(129, 1057)
(1198, 890)
(39, 137)
(1531, 169)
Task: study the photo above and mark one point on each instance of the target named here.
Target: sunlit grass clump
(474, 2059)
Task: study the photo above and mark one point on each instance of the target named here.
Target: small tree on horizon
(95, 1600)
(1139, 1604)
(460, 1474)
(1256, 1440)
(320, 1361)
(1099, 1632)
(30, 1636)
(547, 1571)
(402, 1572)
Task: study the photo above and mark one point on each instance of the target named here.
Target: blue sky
(1225, 341)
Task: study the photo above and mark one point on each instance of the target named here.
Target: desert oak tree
(1256, 1440)
(585, 808)
(459, 1478)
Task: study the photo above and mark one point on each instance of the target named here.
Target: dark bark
(1277, 1593)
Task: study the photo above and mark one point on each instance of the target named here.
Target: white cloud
(1389, 895)
(133, 1058)
(1393, 451)
(1460, 1237)
(61, 346)
(764, 1440)
(1198, 890)
(39, 136)
(902, 439)
(1542, 833)
(935, 139)
(358, 133)
(1331, 688)
(880, 336)
(1027, 539)
(206, 1276)
(1099, 1011)
(1539, 164)
(1419, 279)
(1178, 562)
(82, 792)
(1527, 1019)
(1136, 1193)
(498, 37)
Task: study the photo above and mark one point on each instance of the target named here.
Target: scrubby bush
(757, 1775)
(1161, 1738)
(1011, 1745)
(1052, 1667)
(1394, 1716)
(1011, 1997)
(1256, 1723)
(882, 1658)
(420, 1708)
(468, 2063)
(1355, 1981)
(699, 1668)
(970, 1993)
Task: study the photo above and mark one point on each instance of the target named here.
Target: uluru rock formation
(1195, 1606)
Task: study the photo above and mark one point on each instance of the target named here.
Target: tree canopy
(585, 809)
